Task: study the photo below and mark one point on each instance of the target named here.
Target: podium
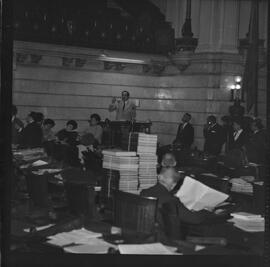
(115, 131)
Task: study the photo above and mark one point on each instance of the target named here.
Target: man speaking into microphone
(125, 109)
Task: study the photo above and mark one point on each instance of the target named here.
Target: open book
(197, 196)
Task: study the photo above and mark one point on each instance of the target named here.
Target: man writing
(125, 109)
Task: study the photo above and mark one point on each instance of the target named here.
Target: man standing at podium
(125, 109)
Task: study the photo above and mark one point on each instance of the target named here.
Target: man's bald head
(169, 177)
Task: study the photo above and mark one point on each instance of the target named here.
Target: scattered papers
(248, 222)
(197, 196)
(241, 186)
(27, 230)
(93, 246)
(39, 163)
(79, 236)
(145, 249)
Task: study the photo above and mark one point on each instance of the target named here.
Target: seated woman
(31, 135)
(65, 149)
(94, 128)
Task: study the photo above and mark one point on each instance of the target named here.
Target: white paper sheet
(197, 196)
(27, 230)
(145, 249)
(78, 236)
(93, 246)
(39, 163)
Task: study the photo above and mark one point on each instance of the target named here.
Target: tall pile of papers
(248, 222)
(241, 186)
(147, 146)
(197, 196)
(126, 162)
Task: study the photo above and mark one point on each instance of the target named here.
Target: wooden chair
(81, 198)
(135, 214)
(37, 186)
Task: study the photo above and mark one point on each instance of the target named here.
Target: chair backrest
(37, 186)
(258, 199)
(135, 213)
(80, 198)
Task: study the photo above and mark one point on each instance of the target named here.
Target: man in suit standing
(239, 135)
(185, 132)
(213, 135)
(125, 109)
(257, 143)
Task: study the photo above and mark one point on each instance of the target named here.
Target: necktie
(124, 105)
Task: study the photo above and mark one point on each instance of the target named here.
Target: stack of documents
(197, 196)
(145, 249)
(147, 170)
(78, 236)
(42, 171)
(147, 146)
(248, 222)
(30, 154)
(241, 186)
(126, 162)
(147, 143)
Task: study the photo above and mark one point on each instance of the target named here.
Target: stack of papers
(147, 146)
(120, 162)
(147, 170)
(78, 236)
(241, 186)
(42, 171)
(248, 222)
(30, 154)
(147, 143)
(145, 249)
(197, 196)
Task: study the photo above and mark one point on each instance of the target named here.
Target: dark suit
(31, 136)
(256, 147)
(185, 136)
(168, 200)
(214, 137)
(239, 142)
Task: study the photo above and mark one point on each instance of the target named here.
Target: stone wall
(70, 83)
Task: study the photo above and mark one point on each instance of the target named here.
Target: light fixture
(236, 88)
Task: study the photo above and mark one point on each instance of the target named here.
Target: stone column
(218, 26)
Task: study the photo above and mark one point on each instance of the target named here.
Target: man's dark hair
(14, 110)
(226, 119)
(49, 121)
(96, 117)
(258, 123)
(73, 123)
(212, 118)
(126, 93)
(39, 117)
(187, 114)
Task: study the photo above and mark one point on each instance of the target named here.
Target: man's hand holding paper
(197, 196)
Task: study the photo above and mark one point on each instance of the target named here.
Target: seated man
(167, 180)
(31, 135)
